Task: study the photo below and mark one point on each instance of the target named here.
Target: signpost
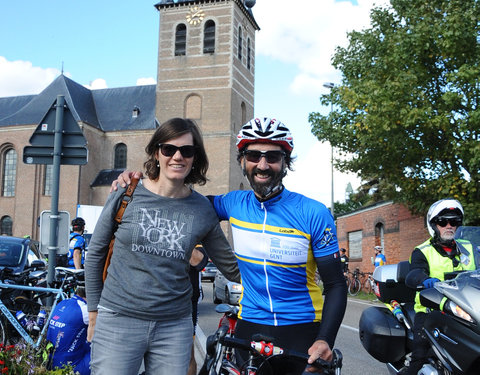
(57, 140)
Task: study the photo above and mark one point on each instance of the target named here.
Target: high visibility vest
(439, 264)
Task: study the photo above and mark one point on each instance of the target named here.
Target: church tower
(206, 72)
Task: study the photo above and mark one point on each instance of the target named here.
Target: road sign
(72, 135)
(44, 155)
(73, 143)
(63, 234)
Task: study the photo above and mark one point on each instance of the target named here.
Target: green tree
(407, 111)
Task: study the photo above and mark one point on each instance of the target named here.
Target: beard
(264, 189)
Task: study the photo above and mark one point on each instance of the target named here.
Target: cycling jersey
(380, 260)
(275, 243)
(77, 241)
(67, 331)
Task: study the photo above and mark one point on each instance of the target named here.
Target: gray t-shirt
(148, 273)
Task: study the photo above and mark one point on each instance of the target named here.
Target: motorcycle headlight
(458, 311)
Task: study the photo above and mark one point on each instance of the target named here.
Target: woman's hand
(92, 320)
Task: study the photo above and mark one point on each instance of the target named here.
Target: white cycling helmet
(448, 208)
(265, 130)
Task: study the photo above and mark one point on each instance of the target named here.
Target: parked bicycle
(353, 282)
(264, 355)
(369, 283)
(24, 314)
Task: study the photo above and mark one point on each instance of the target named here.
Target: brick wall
(402, 232)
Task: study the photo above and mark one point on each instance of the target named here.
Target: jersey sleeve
(324, 234)
(221, 203)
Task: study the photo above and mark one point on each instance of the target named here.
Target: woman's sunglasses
(169, 150)
(271, 157)
(443, 221)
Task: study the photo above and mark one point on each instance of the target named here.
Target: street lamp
(330, 86)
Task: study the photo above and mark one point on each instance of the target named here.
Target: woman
(143, 310)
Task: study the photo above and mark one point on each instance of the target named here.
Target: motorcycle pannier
(390, 283)
(382, 335)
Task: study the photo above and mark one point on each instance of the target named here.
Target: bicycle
(354, 284)
(31, 300)
(264, 355)
(369, 284)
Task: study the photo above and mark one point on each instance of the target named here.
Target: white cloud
(146, 81)
(22, 78)
(307, 35)
(97, 84)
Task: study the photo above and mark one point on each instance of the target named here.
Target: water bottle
(397, 311)
(41, 318)
(21, 317)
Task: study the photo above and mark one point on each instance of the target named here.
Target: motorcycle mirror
(431, 298)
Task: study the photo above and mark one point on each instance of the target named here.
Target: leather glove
(428, 283)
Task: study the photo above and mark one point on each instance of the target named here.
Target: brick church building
(206, 72)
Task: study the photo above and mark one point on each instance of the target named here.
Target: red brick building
(388, 224)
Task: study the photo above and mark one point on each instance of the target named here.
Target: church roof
(107, 109)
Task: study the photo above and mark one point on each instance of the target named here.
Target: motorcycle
(452, 326)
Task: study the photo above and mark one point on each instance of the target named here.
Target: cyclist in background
(67, 334)
(379, 259)
(77, 244)
(280, 239)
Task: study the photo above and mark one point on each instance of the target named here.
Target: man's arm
(419, 270)
(77, 258)
(334, 306)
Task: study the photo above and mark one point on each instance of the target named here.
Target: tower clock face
(195, 15)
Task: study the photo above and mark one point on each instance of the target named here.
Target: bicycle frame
(16, 324)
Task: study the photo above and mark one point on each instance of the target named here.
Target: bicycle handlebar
(267, 349)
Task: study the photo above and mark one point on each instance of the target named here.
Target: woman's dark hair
(171, 129)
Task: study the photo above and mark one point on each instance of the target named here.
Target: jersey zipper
(265, 249)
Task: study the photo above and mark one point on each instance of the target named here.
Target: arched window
(240, 41)
(249, 52)
(181, 40)
(48, 180)
(379, 235)
(209, 37)
(9, 172)
(6, 226)
(120, 159)
(193, 107)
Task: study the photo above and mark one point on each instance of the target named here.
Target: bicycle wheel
(354, 287)
(367, 286)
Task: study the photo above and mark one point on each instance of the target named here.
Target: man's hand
(92, 320)
(124, 179)
(319, 349)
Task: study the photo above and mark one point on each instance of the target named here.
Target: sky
(106, 43)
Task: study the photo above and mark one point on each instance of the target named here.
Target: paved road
(356, 359)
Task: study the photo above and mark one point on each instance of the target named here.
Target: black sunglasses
(454, 222)
(169, 150)
(271, 157)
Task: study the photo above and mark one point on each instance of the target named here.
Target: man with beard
(280, 239)
(430, 261)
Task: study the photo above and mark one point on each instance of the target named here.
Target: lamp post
(330, 86)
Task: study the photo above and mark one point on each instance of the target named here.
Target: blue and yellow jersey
(275, 243)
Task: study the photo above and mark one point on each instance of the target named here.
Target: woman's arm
(98, 248)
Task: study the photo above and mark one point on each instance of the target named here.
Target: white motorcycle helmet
(445, 208)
